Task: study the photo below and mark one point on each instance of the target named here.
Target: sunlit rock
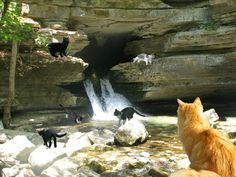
(42, 157)
(85, 171)
(3, 138)
(62, 167)
(131, 133)
(103, 136)
(15, 146)
(25, 173)
(21, 170)
(100, 165)
(76, 142)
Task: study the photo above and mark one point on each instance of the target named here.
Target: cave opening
(104, 53)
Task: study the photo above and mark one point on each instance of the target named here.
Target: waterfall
(105, 105)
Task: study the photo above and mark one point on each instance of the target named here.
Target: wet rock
(99, 148)
(86, 172)
(232, 135)
(76, 142)
(103, 136)
(133, 132)
(157, 173)
(43, 157)
(15, 146)
(101, 165)
(62, 167)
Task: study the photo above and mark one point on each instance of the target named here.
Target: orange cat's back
(207, 148)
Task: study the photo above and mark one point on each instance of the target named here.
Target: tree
(13, 30)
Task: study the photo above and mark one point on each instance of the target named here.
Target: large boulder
(133, 132)
(15, 146)
(103, 136)
(76, 142)
(62, 167)
(43, 157)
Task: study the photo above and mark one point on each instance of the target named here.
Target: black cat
(59, 47)
(70, 114)
(126, 113)
(48, 135)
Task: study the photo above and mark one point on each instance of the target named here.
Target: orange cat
(207, 148)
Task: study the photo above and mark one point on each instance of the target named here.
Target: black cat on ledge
(59, 47)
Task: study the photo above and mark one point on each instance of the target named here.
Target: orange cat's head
(189, 109)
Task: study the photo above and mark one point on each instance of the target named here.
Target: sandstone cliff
(194, 42)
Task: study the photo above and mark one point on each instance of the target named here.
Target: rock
(86, 172)
(100, 165)
(103, 136)
(157, 173)
(99, 148)
(76, 142)
(133, 132)
(25, 173)
(3, 138)
(21, 170)
(43, 157)
(183, 163)
(62, 167)
(15, 146)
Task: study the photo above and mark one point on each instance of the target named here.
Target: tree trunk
(11, 86)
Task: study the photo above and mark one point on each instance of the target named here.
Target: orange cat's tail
(194, 173)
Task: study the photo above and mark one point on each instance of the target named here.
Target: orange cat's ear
(197, 101)
(180, 102)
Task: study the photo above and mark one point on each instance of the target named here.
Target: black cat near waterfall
(126, 113)
(59, 47)
(48, 135)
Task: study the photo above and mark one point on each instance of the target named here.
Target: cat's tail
(194, 173)
(137, 112)
(61, 135)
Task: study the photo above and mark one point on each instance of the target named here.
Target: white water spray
(104, 107)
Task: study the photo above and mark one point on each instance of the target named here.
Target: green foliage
(42, 40)
(211, 25)
(12, 27)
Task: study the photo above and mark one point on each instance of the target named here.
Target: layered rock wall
(194, 42)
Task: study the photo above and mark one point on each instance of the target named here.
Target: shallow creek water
(163, 145)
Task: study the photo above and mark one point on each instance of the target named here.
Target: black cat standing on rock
(126, 113)
(59, 47)
(48, 135)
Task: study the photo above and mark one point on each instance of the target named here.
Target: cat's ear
(197, 101)
(180, 102)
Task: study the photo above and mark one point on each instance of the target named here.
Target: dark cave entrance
(105, 53)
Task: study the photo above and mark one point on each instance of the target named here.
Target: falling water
(105, 105)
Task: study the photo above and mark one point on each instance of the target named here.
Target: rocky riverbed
(89, 149)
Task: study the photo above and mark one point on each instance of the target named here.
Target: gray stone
(104, 136)
(76, 142)
(43, 157)
(15, 146)
(62, 167)
(132, 132)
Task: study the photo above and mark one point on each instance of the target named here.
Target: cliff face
(194, 42)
